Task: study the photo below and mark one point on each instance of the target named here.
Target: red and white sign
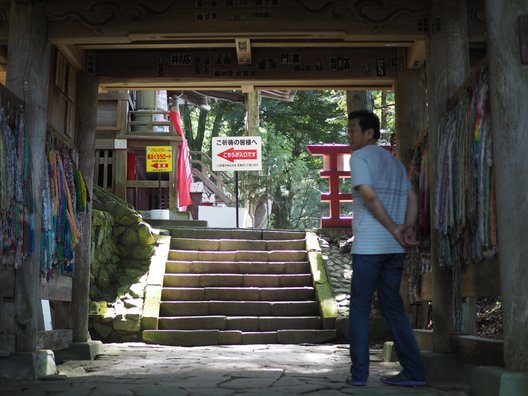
(237, 153)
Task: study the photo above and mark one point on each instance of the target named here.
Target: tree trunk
(217, 123)
(383, 119)
(359, 100)
(280, 210)
(186, 117)
(200, 132)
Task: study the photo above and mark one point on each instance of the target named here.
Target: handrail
(213, 187)
(205, 167)
(218, 183)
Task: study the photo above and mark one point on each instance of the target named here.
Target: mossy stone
(103, 279)
(129, 238)
(102, 329)
(145, 235)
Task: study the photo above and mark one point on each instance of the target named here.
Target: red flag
(184, 165)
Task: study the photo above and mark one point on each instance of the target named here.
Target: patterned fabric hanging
(417, 261)
(418, 178)
(16, 194)
(81, 191)
(464, 212)
(47, 230)
(64, 198)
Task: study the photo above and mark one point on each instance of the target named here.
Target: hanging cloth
(16, 192)
(184, 166)
(464, 212)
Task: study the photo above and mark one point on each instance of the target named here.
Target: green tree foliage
(200, 125)
(384, 108)
(289, 181)
(293, 184)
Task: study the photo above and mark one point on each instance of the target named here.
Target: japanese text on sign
(159, 158)
(237, 153)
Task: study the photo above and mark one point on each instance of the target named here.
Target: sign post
(159, 160)
(237, 153)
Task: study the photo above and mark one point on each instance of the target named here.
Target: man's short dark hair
(367, 119)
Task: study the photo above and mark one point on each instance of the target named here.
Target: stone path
(137, 369)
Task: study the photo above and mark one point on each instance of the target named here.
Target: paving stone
(265, 369)
(144, 370)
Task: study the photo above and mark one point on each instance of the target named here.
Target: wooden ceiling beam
(93, 22)
(110, 84)
(270, 66)
(74, 55)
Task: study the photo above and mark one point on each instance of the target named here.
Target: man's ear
(370, 133)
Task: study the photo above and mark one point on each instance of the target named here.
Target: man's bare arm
(411, 215)
(374, 205)
(403, 233)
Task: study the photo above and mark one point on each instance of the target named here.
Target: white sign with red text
(240, 153)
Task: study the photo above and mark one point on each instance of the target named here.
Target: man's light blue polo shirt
(375, 166)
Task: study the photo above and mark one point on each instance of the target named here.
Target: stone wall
(122, 246)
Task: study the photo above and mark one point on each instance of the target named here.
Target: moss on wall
(122, 246)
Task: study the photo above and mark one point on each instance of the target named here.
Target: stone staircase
(238, 286)
(171, 219)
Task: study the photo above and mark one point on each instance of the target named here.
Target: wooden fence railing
(219, 183)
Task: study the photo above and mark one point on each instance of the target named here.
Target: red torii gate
(335, 166)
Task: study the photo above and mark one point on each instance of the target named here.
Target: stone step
(237, 267)
(238, 293)
(238, 286)
(186, 223)
(236, 337)
(243, 323)
(164, 215)
(236, 244)
(238, 255)
(236, 233)
(237, 280)
(239, 308)
(180, 223)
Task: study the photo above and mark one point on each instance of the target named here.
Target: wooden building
(66, 60)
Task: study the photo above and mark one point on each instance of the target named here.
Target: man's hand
(405, 235)
(409, 236)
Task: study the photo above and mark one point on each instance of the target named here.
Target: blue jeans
(382, 272)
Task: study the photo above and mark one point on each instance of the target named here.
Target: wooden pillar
(86, 121)
(28, 78)
(120, 155)
(411, 111)
(411, 118)
(447, 68)
(509, 118)
(120, 173)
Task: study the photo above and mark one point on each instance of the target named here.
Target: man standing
(385, 211)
